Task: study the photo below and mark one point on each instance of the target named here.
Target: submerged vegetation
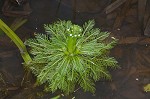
(18, 22)
(10, 33)
(69, 56)
(147, 88)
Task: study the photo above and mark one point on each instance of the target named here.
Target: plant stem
(26, 57)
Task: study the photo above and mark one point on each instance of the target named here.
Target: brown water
(127, 82)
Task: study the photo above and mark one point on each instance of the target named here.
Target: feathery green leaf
(70, 55)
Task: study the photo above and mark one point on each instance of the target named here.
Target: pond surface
(132, 53)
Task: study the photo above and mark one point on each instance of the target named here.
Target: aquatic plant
(10, 33)
(18, 22)
(147, 88)
(69, 56)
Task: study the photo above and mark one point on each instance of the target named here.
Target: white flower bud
(70, 34)
(113, 37)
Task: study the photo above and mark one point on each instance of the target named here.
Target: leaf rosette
(70, 55)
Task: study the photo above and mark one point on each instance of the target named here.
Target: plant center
(73, 35)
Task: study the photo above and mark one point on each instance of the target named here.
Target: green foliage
(71, 55)
(147, 88)
(10, 33)
(16, 24)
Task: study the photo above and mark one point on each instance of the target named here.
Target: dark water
(127, 82)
